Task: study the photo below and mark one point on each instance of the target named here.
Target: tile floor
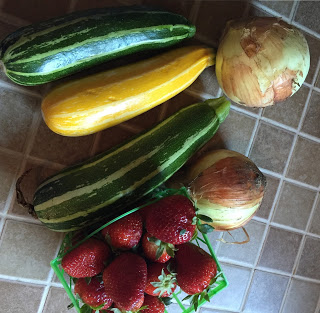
(278, 271)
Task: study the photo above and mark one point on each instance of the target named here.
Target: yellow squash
(102, 100)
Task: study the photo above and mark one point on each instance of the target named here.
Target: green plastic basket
(220, 283)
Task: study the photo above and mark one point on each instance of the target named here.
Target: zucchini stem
(20, 197)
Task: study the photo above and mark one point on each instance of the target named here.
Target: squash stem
(20, 197)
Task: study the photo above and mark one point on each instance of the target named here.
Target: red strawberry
(86, 260)
(154, 305)
(156, 250)
(160, 282)
(195, 268)
(125, 233)
(92, 293)
(125, 280)
(171, 219)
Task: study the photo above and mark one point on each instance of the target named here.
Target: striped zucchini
(102, 100)
(56, 48)
(103, 187)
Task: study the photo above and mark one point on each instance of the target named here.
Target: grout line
(258, 5)
(244, 111)
(295, 139)
(204, 95)
(30, 135)
(318, 307)
(130, 127)
(163, 111)
(306, 29)
(95, 144)
(286, 19)
(264, 237)
(313, 210)
(193, 15)
(299, 254)
(254, 133)
(286, 227)
(49, 279)
(281, 125)
(21, 218)
(47, 163)
(294, 9)
(72, 6)
(219, 93)
(23, 280)
(20, 89)
(306, 279)
(43, 298)
(11, 152)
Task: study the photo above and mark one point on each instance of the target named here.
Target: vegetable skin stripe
(97, 39)
(162, 168)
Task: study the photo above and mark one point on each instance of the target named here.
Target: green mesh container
(220, 283)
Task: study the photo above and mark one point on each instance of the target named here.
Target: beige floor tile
(271, 147)
(9, 165)
(280, 250)
(211, 25)
(294, 206)
(309, 261)
(302, 297)
(282, 7)
(19, 297)
(231, 297)
(303, 165)
(57, 301)
(60, 149)
(315, 222)
(29, 184)
(268, 198)
(305, 14)
(17, 112)
(311, 124)
(246, 253)
(289, 111)
(233, 134)
(266, 293)
(27, 249)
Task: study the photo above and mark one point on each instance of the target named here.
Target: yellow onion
(261, 61)
(227, 187)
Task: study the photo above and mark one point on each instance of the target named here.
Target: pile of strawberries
(138, 261)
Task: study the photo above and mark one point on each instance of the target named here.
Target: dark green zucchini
(102, 187)
(56, 48)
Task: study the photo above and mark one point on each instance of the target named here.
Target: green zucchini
(104, 186)
(43, 52)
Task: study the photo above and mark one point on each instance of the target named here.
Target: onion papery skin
(226, 186)
(226, 218)
(261, 61)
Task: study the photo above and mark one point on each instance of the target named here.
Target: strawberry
(160, 282)
(125, 280)
(195, 268)
(86, 260)
(171, 219)
(156, 250)
(92, 293)
(154, 305)
(125, 233)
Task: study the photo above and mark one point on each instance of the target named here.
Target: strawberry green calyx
(162, 246)
(204, 228)
(166, 283)
(197, 298)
